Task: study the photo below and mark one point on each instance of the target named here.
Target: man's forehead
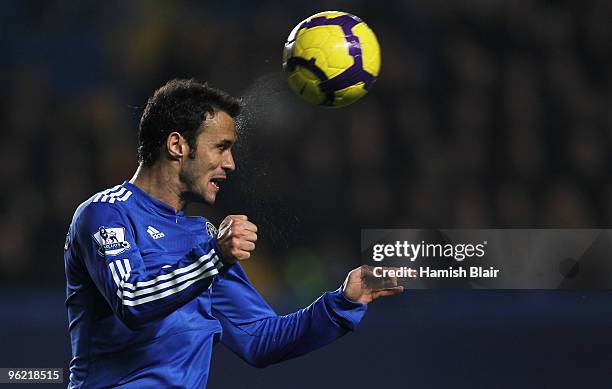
(219, 126)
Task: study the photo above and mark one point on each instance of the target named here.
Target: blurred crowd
(486, 114)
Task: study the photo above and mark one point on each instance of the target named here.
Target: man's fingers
(241, 255)
(251, 237)
(379, 279)
(248, 226)
(387, 292)
(246, 246)
(241, 222)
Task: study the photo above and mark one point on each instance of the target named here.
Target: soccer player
(151, 290)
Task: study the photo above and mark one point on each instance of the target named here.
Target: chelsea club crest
(211, 229)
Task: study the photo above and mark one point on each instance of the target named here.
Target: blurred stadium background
(487, 113)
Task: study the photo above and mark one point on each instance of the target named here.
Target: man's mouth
(216, 182)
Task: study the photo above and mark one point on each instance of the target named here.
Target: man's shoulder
(114, 199)
(118, 194)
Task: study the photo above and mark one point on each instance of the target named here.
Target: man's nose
(228, 162)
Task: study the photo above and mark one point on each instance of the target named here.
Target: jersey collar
(151, 202)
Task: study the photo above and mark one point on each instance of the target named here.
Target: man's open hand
(354, 286)
(236, 238)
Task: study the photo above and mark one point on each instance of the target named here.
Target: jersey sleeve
(253, 331)
(106, 245)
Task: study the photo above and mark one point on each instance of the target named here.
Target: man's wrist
(219, 259)
(348, 312)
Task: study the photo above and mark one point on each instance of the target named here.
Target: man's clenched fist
(236, 238)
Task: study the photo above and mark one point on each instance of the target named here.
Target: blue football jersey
(148, 297)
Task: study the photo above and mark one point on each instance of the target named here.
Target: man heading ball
(147, 306)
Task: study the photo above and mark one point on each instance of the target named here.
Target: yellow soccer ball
(331, 58)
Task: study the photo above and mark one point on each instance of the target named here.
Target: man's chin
(207, 198)
(210, 200)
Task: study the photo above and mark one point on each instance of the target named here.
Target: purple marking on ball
(345, 21)
(355, 73)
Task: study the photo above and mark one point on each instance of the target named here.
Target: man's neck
(157, 182)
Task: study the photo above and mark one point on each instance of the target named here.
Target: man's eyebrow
(226, 142)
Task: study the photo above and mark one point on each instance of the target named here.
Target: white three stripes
(116, 193)
(122, 267)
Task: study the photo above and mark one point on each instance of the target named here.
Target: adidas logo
(154, 233)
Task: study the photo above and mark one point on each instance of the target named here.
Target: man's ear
(177, 146)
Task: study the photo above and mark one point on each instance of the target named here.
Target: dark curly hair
(180, 105)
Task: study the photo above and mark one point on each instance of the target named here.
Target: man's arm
(105, 242)
(259, 336)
